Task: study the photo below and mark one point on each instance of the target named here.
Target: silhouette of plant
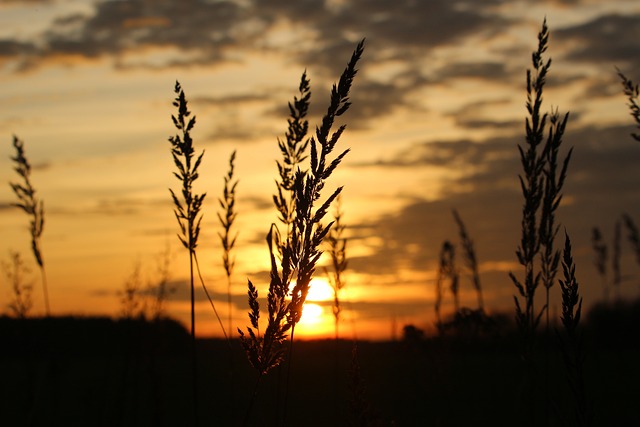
(600, 260)
(632, 91)
(293, 151)
(633, 235)
(131, 298)
(615, 258)
(15, 271)
(541, 185)
(572, 342)
(446, 270)
(187, 209)
(33, 207)
(553, 181)
(300, 251)
(227, 218)
(159, 288)
(470, 258)
(338, 254)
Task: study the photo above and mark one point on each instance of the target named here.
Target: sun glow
(317, 319)
(320, 290)
(311, 314)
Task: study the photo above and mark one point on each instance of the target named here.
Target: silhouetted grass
(470, 258)
(572, 345)
(33, 207)
(187, 209)
(541, 183)
(15, 272)
(337, 250)
(447, 270)
(632, 91)
(227, 238)
(600, 260)
(300, 250)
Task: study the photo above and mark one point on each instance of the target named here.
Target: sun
(320, 290)
(311, 314)
(317, 319)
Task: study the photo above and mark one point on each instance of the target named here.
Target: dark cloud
(479, 70)
(5, 206)
(372, 100)
(473, 115)
(404, 29)
(602, 184)
(455, 154)
(210, 31)
(612, 39)
(237, 131)
(231, 100)
(13, 48)
(207, 30)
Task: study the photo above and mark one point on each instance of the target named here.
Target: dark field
(102, 372)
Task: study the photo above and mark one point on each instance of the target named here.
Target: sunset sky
(438, 110)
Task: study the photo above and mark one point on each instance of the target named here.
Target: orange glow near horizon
(317, 321)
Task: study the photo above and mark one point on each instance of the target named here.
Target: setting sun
(311, 314)
(320, 290)
(317, 319)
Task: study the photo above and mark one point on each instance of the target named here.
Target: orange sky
(438, 108)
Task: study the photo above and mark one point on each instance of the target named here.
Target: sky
(438, 109)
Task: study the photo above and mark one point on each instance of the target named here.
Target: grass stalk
(541, 183)
(228, 239)
(632, 91)
(187, 208)
(600, 260)
(553, 182)
(470, 258)
(15, 271)
(300, 250)
(446, 270)
(633, 235)
(571, 341)
(337, 249)
(615, 259)
(34, 208)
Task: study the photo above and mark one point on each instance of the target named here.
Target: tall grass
(337, 250)
(633, 235)
(632, 91)
(300, 251)
(541, 184)
(159, 288)
(615, 259)
(227, 217)
(600, 260)
(294, 151)
(470, 258)
(15, 272)
(187, 207)
(572, 343)
(33, 207)
(446, 270)
(131, 301)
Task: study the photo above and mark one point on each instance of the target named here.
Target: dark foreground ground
(101, 372)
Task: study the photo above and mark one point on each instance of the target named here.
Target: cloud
(480, 70)
(208, 30)
(7, 206)
(231, 100)
(213, 32)
(404, 29)
(13, 48)
(612, 39)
